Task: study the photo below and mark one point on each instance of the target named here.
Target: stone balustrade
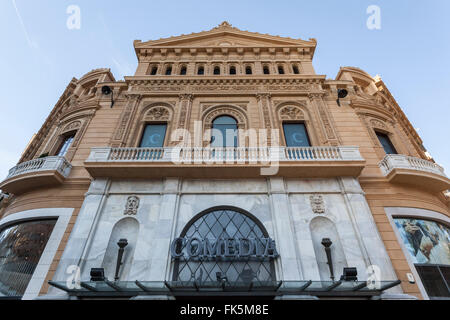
(233, 155)
(58, 164)
(398, 161)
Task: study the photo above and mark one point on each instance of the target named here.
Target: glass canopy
(191, 288)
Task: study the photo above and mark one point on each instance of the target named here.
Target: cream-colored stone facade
(347, 188)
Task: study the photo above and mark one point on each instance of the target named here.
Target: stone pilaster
(289, 267)
(328, 130)
(123, 127)
(264, 107)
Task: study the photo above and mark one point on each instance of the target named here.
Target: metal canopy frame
(194, 289)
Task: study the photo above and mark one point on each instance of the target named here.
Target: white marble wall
(283, 207)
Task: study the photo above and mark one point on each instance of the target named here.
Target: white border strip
(63, 216)
(405, 212)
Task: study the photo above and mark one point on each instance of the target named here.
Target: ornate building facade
(226, 166)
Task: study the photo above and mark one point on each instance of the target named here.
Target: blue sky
(39, 54)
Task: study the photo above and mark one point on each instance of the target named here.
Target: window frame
(144, 127)
(389, 136)
(61, 141)
(169, 70)
(153, 70)
(393, 213)
(308, 135)
(237, 131)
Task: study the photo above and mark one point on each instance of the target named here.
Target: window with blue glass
(224, 133)
(154, 135)
(296, 135)
(386, 143)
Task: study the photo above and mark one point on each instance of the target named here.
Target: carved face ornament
(132, 205)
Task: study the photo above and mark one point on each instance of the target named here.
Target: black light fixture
(350, 274)
(326, 242)
(106, 90)
(97, 274)
(122, 244)
(342, 93)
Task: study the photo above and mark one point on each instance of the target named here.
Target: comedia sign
(223, 249)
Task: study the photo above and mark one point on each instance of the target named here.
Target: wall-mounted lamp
(106, 90)
(342, 93)
(350, 274)
(97, 274)
(326, 242)
(122, 244)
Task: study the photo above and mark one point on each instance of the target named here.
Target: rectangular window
(296, 135)
(435, 279)
(65, 145)
(154, 135)
(386, 143)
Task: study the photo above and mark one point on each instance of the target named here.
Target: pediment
(225, 36)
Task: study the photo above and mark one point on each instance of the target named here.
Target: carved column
(123, 127)
(329, 132)
(264, 105)
(185, 103)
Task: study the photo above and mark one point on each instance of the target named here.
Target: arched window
(280, 70)
(201, 70)
(216, 70)
(243, 234)
(168, 70)
(248, 70)
(21, 247)
(154, 70)
(183, 71)
(224, 132)
(232, 70)
(295, 69)
(266, 70)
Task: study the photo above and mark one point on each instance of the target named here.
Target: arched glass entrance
(224, 244)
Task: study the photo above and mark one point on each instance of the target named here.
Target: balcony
(241, 162)
(414, 171)
(42, 172)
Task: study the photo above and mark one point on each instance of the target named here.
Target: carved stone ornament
(377, 123)
(158, 113)
(132, 205)
(72, 126)
(317, 203)
(291, 113)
